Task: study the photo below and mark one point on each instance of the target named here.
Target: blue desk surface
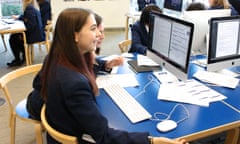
(202, 121)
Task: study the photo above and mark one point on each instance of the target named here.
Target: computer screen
(224, 43)
(170, 39)
(200, 19)
(175, 5)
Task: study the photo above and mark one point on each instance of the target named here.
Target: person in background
(196, 6)
(34, 31)
(222, 4)
(69, 87)
(100, 27)
(102, 65)
(46, 11)
(144, 3)
(140, 31)
(235, 4)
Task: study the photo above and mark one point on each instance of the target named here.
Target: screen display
(170, 39)
(173, 4)
(224, 39)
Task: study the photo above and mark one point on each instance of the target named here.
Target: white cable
(230, 106)
(151, 79)
(168, 116)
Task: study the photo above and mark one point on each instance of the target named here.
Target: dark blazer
(143, 3)
(35, 101)
(45, 10)
(233, 10)
(33, 22)
(72, 109)
(139, 38)
(235, 4)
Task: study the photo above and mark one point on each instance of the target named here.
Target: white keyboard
(130, 107)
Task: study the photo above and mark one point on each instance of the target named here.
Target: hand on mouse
(162, 140)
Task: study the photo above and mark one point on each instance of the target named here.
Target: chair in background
(58, 136)
(30, 50)
(124, 45)
(19, 111)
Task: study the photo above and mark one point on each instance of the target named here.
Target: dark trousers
(17, 46)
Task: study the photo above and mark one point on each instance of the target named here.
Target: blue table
(203, 121)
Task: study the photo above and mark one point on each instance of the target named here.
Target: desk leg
(5, 46)
(232, 136)
(26, 49)
(126, 28)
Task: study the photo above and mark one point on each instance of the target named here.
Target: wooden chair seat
(58, 136)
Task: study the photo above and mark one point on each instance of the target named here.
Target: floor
(21, 87)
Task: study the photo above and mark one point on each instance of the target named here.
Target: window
(11, 7)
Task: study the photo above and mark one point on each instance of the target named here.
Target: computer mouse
(166, 125)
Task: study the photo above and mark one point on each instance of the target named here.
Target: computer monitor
(170, 39)
(201, 18)
(173, 7)
(224, 43)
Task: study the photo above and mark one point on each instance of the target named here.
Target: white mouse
(166, 125)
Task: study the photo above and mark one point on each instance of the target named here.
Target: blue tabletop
(217, 115)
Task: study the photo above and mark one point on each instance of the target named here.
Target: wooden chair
(58, 136)
(30, 50)
(19, 111)
(124, 45)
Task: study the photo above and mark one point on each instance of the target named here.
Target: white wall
(112, 11)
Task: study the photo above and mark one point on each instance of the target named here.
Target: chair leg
(13, 129)
(32, 54)
(38, 131)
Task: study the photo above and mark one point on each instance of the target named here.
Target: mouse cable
(230, 106)
(168, 116)
(151, 80)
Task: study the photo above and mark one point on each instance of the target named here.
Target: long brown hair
(64, 49)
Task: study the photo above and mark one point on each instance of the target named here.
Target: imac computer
(173, 7)
(170, 40)
(224, 43)
(200, 19)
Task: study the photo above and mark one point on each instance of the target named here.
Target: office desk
(203, 121)
(17, 27)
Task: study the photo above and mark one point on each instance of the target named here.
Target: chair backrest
(124, 45)
(58, 136)
(7, 78)
(48, 32)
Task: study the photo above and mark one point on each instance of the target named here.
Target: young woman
(69, 87)
(34, 31)
(222, 4)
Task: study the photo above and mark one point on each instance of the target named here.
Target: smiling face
(88, 36)
(102, 36)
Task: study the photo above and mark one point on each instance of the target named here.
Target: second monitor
(171, 39)
(200, 19)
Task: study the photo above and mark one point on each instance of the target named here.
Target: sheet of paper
(124, 80)
(145, 61)
(191, 91)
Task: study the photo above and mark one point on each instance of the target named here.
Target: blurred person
(222, 4)
(196, 6)
(45, 10)
(235, 4)
(34, 31)
(140, 31)
(144, 3)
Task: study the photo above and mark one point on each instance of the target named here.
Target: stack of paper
(190, 91)
(217, 79)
